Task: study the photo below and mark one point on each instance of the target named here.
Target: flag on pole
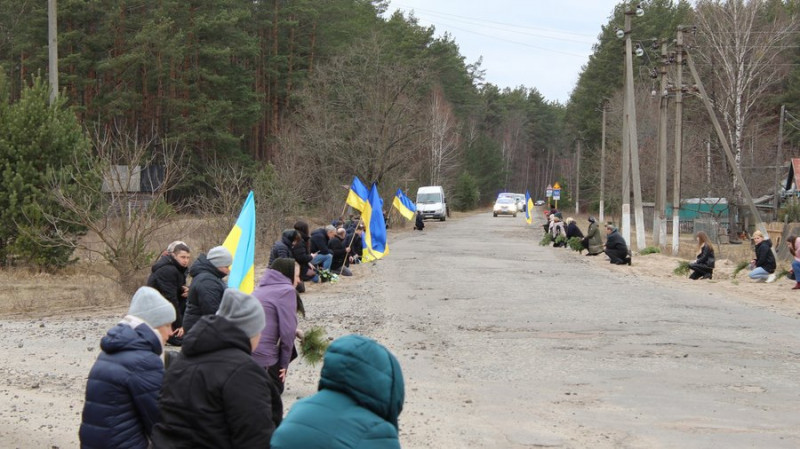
(374, 240)
(528, 207)
(404, 205)
(357, 195)
(241, 242)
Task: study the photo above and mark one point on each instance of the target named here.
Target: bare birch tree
(444, 141)
(742, 48)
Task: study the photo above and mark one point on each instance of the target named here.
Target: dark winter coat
(339, 251)
(168, 277)
(357, 245)
(419, 222)
(303, 257)
(706, 257)
(205, 293)
(214, 394)
(319, 241)
(616, 246)
(360, 397)
(594, 239)
(283, 247)
(573, 231)
(121, 404)
(764, 257)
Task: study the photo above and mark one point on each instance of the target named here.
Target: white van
(432, 202)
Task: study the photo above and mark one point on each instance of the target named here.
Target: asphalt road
(507, 344)
(503, 344)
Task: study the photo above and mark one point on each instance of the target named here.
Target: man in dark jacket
(340, 252)
(168, 276)
(319, 246)
(214, 394)
(616, 248)
(356, 243)
(121, 405)
(207, 287)
(360, 397)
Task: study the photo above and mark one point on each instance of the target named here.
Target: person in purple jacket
(277, 294)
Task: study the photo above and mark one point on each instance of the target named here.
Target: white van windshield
(429, 198)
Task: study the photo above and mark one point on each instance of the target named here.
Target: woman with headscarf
(593, 242)
(277, 295)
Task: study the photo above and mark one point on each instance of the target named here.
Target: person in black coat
(319, 246)
(419, 222)
(214, 394)
(207, 287)
(302, 255)
(616, 248)
(168, 276)
(703, 266)
(356, 242)
(572, 229)
(340, 253)
(283, 247)
(121, 405)
(764, 263)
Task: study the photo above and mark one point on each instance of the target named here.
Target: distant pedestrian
(214, 394)
(121, 405)
(357, 405)
(419, 222)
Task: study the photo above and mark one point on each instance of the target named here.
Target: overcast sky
(535, 43)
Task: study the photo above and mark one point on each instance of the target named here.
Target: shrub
(465, 193)
(650, 250)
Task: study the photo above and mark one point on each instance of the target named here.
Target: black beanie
(285, 265)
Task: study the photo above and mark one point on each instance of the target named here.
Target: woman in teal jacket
(360, 397)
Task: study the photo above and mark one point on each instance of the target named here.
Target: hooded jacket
(283, 247)
(594, 239)
(319, 241)
(121, 405)
(360, 397)
(764, 257)
(168, 277)
(214, 394)
(278, 297)
(205, 293)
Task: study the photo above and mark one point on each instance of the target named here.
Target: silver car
(505, 206)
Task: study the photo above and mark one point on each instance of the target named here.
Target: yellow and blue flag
(528, 207)
(404, 205)
(374, 240)
(357, 196)
(241, 242)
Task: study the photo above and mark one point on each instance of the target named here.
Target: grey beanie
(219, 256)
(243, 310)
(330, 228)
(149, 306)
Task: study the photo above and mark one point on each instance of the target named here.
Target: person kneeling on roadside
(763, 266)
(121, 404)
(341, 253)
(214, 394)
(616, 248)
(703, 267)
(419, 222)
(792, 243)
(357, 405)
(593, 242)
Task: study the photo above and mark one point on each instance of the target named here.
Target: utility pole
(676, 174)
(603, 166)
(660, 211)
(779, 163)
(725, 146)
(52, 44)
(578, 179)
(633, 143)
(626, 135)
